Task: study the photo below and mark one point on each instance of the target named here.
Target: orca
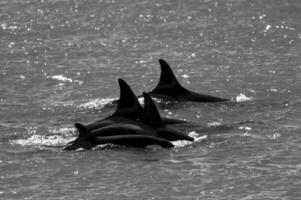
(128, 109)
(88, 140)
(150, 125)
(152, 117)
(151, 130)
(170, 89)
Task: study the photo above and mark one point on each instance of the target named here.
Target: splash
(185, 76)
(213, 124)
(96, 103)
(141, 100)
(242, 97)
(267, 28)
(62, 137)
(64, 79)
(61, 78)
(246, 128)
(47, 141)
(43, 141)
(195, 135)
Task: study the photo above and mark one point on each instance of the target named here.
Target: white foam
(268, 27)
(214, 123)
(64, 131)
(64, 79)
(61, 78)
(262, 16)
(96, 103)
(185, 76)
(41, 140)
(274, 136)
(242, 97)
(59, 137)
(183, 143)
(141, 100)
(245, 128)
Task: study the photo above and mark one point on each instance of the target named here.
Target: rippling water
(60, 61)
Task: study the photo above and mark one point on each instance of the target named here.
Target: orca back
(168, 83)
(169, 88)
(84, 139)
(128, 105)
(151, 113)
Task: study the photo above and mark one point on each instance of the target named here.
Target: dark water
(59, 64)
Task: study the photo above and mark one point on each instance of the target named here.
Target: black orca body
(152, 117)
(151, 125)
(170, 89)
(149, 129)
(88, 140)
(133, 128)
(138, 141)
(127, 111)
(120, 119)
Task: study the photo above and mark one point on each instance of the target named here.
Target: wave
(66, 135)
(96, 103)
(64, 79)
(242, 98)
(184, 143)
(60, 138)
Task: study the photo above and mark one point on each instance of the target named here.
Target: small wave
(274, 136)
(195, 135)
(246, 128)
(242, 97)
(213, 124)
(60, 138)
(96, 103)
(61, 78)
(64, 79)
(185, 76)
(41, 140)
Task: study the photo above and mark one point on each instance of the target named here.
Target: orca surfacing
(130, 125)
(128, 109)
(170, 89)
(87, 140)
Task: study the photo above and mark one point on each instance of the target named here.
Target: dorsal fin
(82, 130)
(84, 140)
(151, 113)
(128, 105)
(168, 80)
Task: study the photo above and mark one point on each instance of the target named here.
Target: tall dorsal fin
(82, 130)
(151, 113)
(168, 80)
(128, 105)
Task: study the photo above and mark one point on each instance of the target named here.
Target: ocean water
(59, 64)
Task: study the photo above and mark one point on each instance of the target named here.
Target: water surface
(60, 61)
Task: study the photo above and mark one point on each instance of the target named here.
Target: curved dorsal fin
(82, 130)
(128, 105)
(84, 140)
(151, 113)
(168, 80)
